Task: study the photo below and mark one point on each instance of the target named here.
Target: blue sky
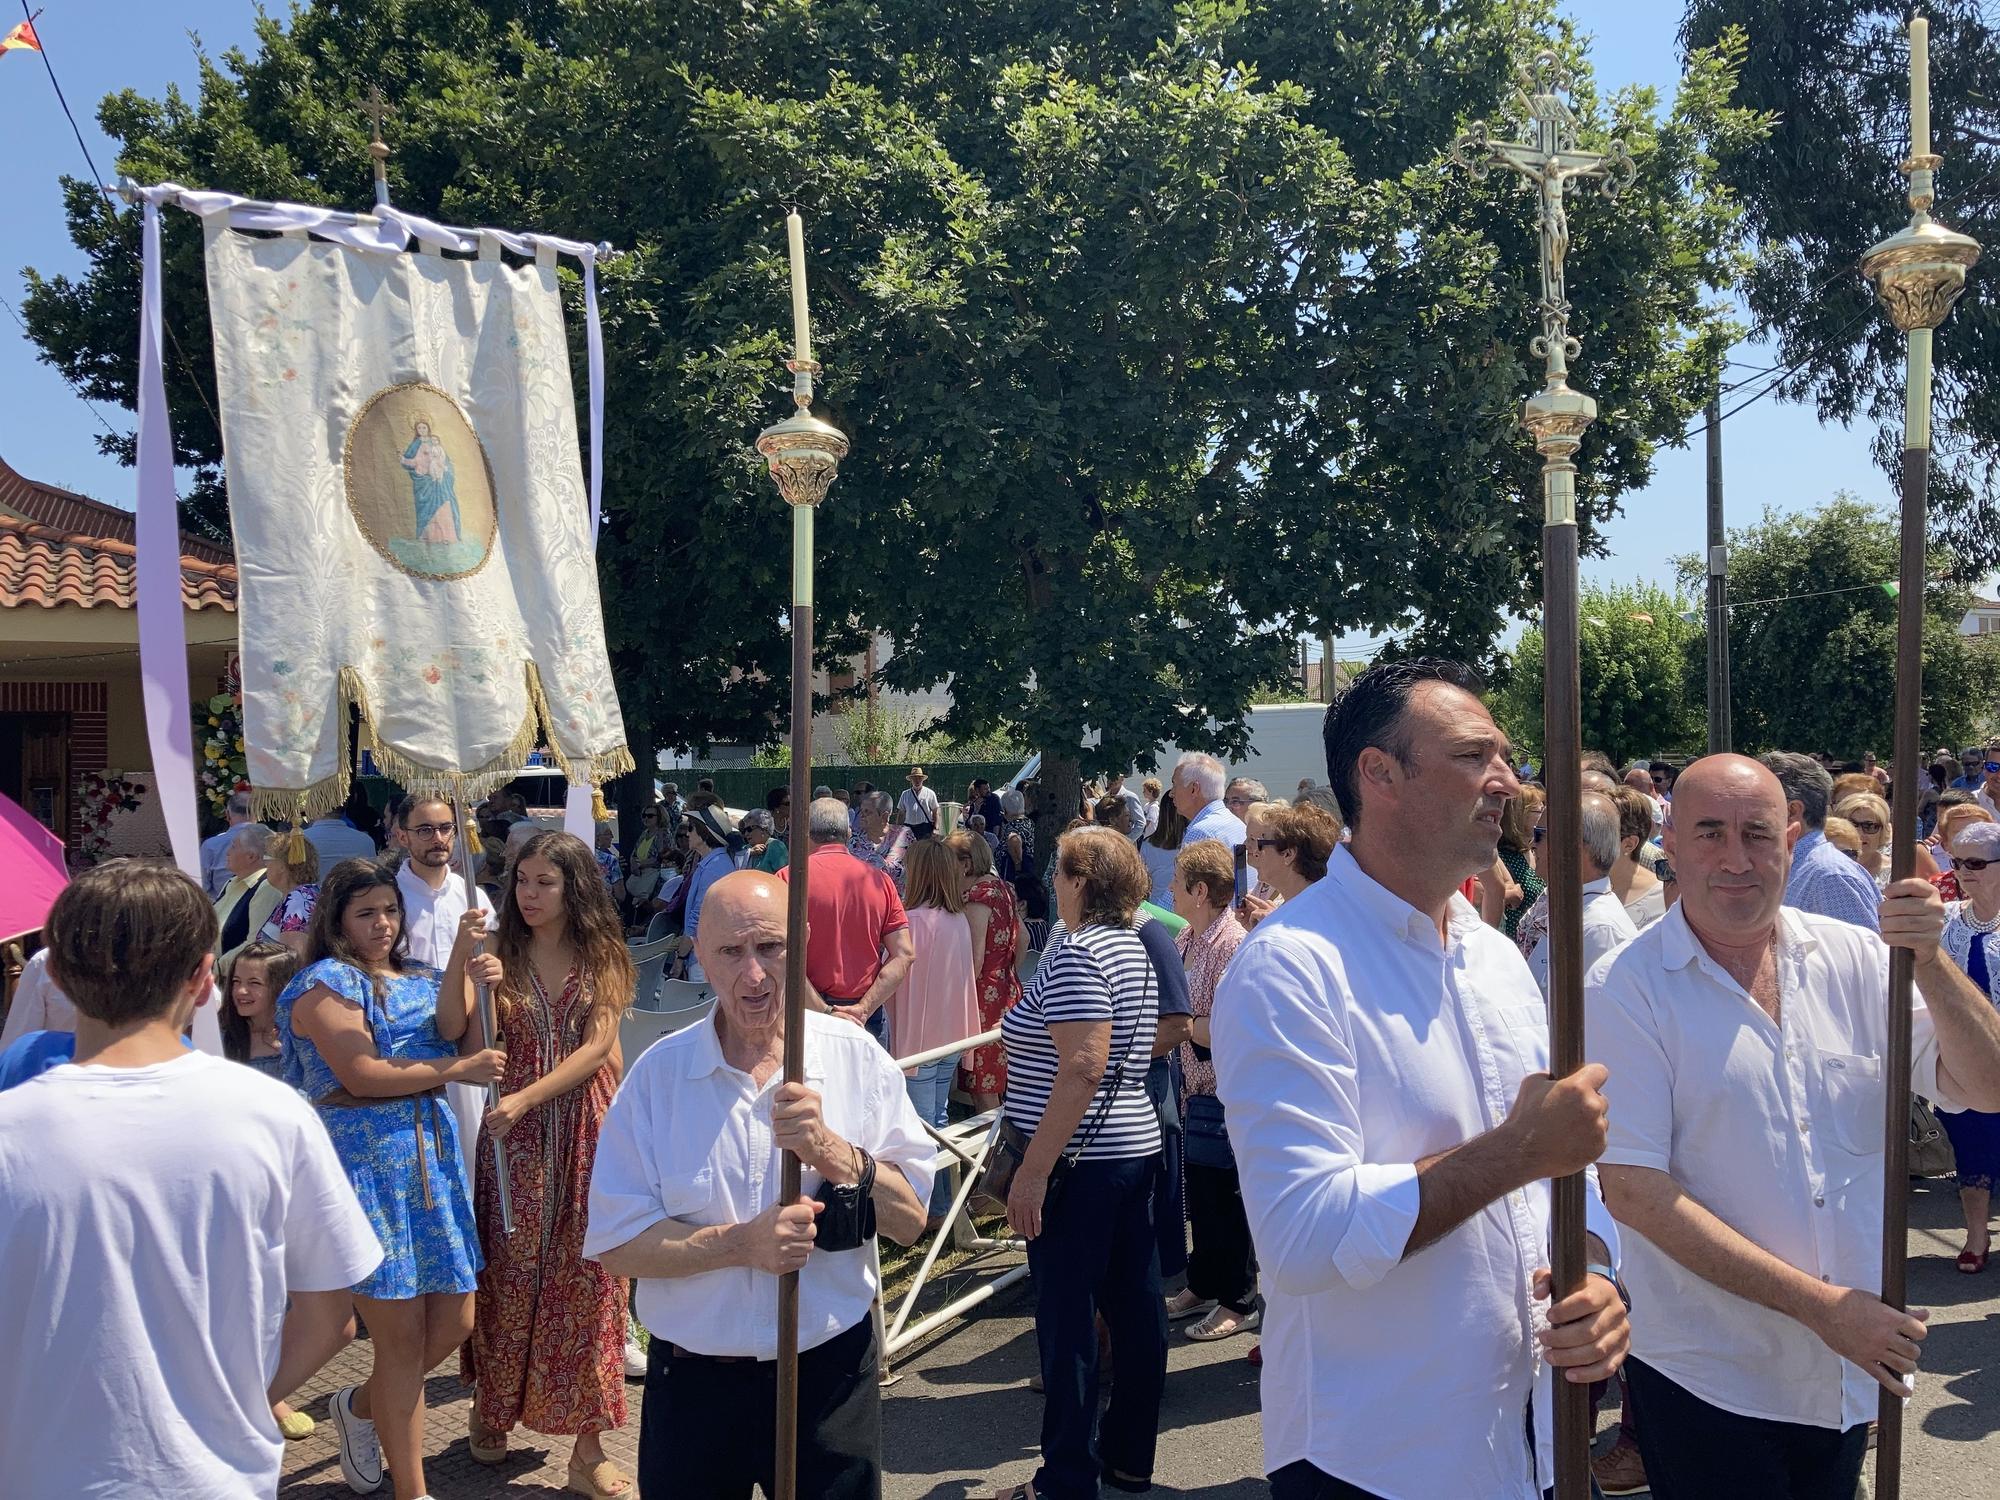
(1775, 454)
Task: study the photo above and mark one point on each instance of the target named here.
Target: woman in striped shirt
(1078, 1045)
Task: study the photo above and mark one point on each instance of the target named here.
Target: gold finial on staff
(1919, 273)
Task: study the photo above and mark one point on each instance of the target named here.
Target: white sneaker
(360, 1449)
(635, 1360)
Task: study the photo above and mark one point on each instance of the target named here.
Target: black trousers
(1223, 1264)
(1097, 1253)
(1301, 1481)
(707, 1429)
(1695, 1451)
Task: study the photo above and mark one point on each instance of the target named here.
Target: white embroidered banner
(412, 530)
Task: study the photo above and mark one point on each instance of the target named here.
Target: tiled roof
(57, 547)
(41, 567)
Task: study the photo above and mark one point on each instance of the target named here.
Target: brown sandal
(598, 1480)
(487, 1447)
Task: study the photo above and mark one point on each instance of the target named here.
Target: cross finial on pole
(1546, 156)
(376, 107)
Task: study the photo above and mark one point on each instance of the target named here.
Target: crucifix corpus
(1547, 157)
(1918, 275)
(804, 454)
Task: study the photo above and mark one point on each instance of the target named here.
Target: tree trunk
(1058, 798)
(631, 793)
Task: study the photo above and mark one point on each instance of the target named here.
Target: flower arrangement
(219, 729)
(101, 796)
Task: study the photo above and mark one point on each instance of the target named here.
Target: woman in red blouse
(999, 938)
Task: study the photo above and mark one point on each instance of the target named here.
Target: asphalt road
(960, 1420)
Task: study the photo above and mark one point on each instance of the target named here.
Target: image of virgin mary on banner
(412, 528)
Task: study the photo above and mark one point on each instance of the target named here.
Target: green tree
(1632, 659)
(1812, 644)
(1822, 186)
(1163, 332)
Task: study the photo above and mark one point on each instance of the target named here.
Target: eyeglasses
(1262, 844)
(1539, 832)
(1992, 766)
(432, 830)
(1974, 865)
(1870, 827)
(1659, 781)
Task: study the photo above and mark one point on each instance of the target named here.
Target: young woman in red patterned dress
(548, 1338)
(997, 945)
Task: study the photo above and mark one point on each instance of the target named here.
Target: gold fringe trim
(301, 805)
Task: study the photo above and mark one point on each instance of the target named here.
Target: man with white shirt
(919, 806)
(1745, 1040)
(1605, 922)
(683, 1197)
(180, 1237)
(1381, 1054)
(435, 901)
(1197, 792)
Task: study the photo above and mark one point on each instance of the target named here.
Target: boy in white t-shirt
(157, 1208)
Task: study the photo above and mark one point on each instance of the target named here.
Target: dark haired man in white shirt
(1382, 1057)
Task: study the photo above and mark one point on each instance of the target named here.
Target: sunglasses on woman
(1974, 865)
(1871, 827)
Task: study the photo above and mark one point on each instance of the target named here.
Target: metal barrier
(965, 1144)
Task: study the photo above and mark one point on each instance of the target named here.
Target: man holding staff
(685, 1199)
(1746, 1042)
(1382, 1057)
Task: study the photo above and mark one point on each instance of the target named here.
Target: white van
(1286, 747)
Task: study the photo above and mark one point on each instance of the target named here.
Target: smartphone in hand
(1242, 872)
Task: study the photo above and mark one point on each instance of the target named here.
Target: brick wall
(86, 703)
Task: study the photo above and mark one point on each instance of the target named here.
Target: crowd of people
(1262, 1066)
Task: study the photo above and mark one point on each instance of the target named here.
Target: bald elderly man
(1745, 1042)
(684, 1199)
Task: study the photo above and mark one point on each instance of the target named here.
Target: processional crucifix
(1547, 157)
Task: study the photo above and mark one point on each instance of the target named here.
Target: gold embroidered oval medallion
(418, 483)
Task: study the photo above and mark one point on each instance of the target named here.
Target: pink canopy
(33, 859)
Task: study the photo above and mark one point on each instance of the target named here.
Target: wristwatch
(1597, 1269)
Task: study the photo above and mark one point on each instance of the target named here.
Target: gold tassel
(295, 852)
(598, 811)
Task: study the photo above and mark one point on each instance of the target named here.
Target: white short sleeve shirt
(688, 1137)
(1775, 1127)
(155, 1220)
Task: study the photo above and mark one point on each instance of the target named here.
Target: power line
(79, 395)
(111, 212)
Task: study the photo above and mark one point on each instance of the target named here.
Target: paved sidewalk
(960, 1417)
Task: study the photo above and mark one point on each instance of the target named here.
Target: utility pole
(1718, 591)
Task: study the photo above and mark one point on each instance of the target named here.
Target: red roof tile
(59, 547)
(41, 567)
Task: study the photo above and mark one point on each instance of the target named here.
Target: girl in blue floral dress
(362, 1038)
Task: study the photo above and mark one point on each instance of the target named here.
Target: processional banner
(412, 531)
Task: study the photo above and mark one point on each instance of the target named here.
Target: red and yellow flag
(21, 36)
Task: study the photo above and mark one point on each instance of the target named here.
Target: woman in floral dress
(366, 1039)
(983, 1071)
(548, 1345)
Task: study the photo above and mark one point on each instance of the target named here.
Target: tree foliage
(1632, 659)
(1822, 186)
(1163, 332)
(1812, 645)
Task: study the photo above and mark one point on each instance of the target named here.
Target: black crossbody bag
(996, 1179)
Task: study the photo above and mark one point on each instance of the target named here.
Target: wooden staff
(1557, 415)
(804, 454)
(486, 1027)
(1918, 274)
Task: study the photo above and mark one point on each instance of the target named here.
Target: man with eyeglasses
(1987, 794)
(1969, 762)
(435, 900)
